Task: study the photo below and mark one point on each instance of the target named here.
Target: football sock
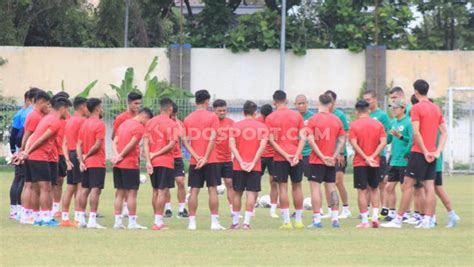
(316, 217)
(285, 213)
(247, 217)
(298, 215)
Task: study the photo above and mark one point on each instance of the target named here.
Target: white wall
(255, 75)
(45, 67)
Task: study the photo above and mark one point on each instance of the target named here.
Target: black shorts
(162, 178)
(383, 168)
(43, 171)
(209, 173)
(267, 163)
(74, 176)
(128, 179)
(419, 169)
(62, 166)
(178, 167)
(366, 176)
(439, 179)
(226, 169)
(396, 174)
(283, 169)
(94, 178)
(341, 168)
(247, 181)
(322, 173)
(26, 166)
(306, 167)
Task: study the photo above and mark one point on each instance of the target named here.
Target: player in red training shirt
(178, 172)
(224, 155)
(42, 154)
(126, 171)
(134, 102)
(199, 139)
(248, 138)
(267, 163)
(287, 138)
(368, 138)
(161, 134)
(90, 149)
(326, 137)
(40, 109)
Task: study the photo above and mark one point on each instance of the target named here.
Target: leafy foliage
(447, 25)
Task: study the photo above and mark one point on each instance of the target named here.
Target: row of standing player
(126, 169)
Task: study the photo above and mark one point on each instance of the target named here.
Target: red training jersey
(177, 147)
(47, 151)
(326, 128)
(93, 129)
(269, 152)
(120, 119)
(198, 126)
(32, 120)
(127, 130)
(71, 130)
(160, 130)
(60, 136)
(247, 134)
(430, 118)
(222, 140)
(284, 124)
(367, 132)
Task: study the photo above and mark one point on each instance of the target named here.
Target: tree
(446, 25)
(210, 27)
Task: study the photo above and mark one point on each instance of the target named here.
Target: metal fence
(459, 114)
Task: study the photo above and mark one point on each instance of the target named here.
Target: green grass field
(264, 245)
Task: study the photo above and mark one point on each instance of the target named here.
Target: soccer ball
(142, 178)
(264, 201)
(307, 205)
(220, 189)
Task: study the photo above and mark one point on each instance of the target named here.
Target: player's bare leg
(193, 204)
(390, 199)
(118, 205)
(273, 197)
(230, 191)
(181, 195)
(57, 193)
(27, 216)
(284, 205)
(159, 206)
(236, 207)
(341, 188)
(297, 194)
(362, 203)
(249, 209)
(334, 204)
(316, 204)
(66, 204)
(94, 197)
(46, 201)
(375, 203)
(214, 208)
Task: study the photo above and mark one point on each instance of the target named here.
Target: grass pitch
(264, 245)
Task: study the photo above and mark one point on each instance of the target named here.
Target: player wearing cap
(426, 119)
(401, 138)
